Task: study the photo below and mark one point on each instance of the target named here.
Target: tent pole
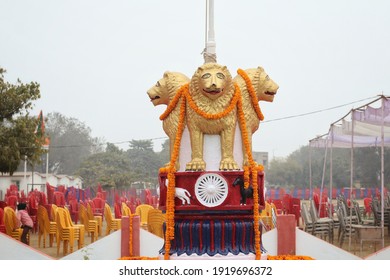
(310, 172)
(323, 174)
(331, 174)
(352, 175)
(383, 172)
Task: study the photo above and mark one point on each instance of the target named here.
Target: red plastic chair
(12, 201)
(322, 210)
(50, 193)
(279, 205)
(59, 199)
(32, 208)
(42, 198)
(95, 211)
(296, 208)
(74, 210)
(13, 188)
(61, 188)
(287, 204)
(367, 206)
(99, 204)
(3, 204)
(2, 225)
(131, 205)
(117, 211)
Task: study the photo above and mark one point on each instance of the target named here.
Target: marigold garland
(137, 258)
(170, 202)
(175, 100)
(131, 234)
(252, 92)
(219, 115)
(288, 257)
(252, 169)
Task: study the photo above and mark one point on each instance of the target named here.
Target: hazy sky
(96, 59)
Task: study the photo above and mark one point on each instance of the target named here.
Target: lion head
(265, 87)
(166, 88)
(212, 80)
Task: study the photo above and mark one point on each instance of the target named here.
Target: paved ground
(368, 247)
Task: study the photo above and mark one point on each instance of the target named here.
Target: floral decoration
(219, 115)
(250, 172)
(252, 92)
(137, 258)
(288, 257)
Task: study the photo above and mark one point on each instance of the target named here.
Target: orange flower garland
(131, 234)
(252, 169)
(137, 258)
(170, 203)
(175, 100)
(288, 257)
(252, 92)
(222, 114)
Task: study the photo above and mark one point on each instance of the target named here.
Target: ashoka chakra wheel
(211, 189)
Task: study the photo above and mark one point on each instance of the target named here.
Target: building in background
(35, 180)
(261, 158)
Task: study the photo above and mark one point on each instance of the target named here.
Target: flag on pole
(40, 130)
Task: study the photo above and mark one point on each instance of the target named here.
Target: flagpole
(209, 53)
(40, 132)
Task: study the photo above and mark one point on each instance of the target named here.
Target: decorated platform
(212, 190)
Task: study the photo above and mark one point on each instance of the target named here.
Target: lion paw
(196, 165)
(228, 164)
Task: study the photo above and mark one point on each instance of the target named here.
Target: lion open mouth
(154, 98)
(270, 93)
(212, 90)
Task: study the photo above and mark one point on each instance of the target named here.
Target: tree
(144, 162)
(145, 145)
(70, 143)
(117, 168)
(17, 137)
(294, 170)
(110, 168)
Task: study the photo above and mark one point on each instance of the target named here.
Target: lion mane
(166, 88)
(162, 94)
(198, 125)
(211, 106)
(265, 89)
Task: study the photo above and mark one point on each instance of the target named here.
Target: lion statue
(211, 92)
(162, 93)
(265, 89)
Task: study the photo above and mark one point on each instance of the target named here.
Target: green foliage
(145, 145)
(17, 137)
(117, 168)
(16, 99)
(295, 169)
(110, 169)
(70, 143)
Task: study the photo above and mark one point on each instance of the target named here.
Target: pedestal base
(215, 257)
